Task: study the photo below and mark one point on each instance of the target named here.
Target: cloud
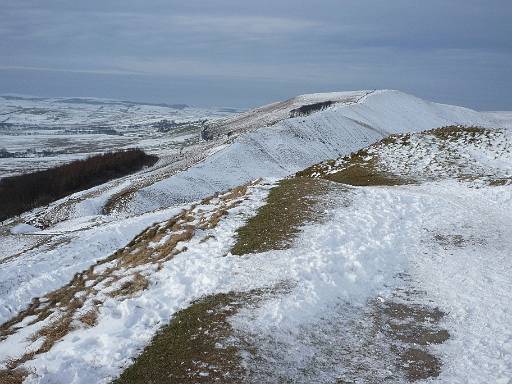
(241, 25)
(68, 70)
(309, 45)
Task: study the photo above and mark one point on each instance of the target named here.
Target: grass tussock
(357, 169)
(288, 206)
(137, 284)
(13, 376)
(62, 309)
(24, 192)
(457, 132)
(90, 318)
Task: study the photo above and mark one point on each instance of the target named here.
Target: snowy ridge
(271, 114)
(296, 143)
(369, 237)
(275, 151)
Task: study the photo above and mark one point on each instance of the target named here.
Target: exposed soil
(411, 326)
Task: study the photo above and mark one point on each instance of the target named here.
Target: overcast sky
(245, 53)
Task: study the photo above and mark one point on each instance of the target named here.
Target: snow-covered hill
(117, 277)
(288, 145)
(66, 112)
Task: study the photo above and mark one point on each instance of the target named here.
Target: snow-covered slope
(289, 145)
(271, 114)
(395, 283)
(292, 144)
(355, 254)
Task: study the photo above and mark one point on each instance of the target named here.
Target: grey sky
(244, 53)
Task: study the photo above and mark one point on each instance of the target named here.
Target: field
(37, 133)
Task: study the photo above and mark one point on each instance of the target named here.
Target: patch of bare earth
(119, 276)
(412, 324)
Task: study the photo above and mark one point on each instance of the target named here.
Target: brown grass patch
(90, 318)
(456, 132)
(13, 376)
(186, 350)
(357, 169)
(365, 174)
(147, 248)
(132, 287)
(198, 345)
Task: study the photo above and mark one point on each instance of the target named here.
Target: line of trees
(24, 192)
(310, 108)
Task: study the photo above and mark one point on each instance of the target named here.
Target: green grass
(186, 349)
(199, 344)
(289, 205)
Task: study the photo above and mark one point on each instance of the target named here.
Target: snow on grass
(452, 238)
(42, 269)
(346, 258)
(355, 255)
(123, 327)
(293, 144)
(350, 259)
(456, 152)
(470, 279)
